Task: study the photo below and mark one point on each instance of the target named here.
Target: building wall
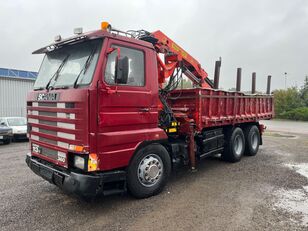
(13, 92)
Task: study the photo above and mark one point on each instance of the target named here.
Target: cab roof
(90, 36)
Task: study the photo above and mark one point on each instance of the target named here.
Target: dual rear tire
(253, 140)
(239, 142)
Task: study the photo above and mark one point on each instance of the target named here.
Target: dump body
(212, 108)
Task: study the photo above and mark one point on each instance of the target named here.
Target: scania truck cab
(85, 124)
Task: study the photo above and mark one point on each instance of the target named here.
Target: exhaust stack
(253, 85)
(268, 89)
(217, 73)
(238, 79)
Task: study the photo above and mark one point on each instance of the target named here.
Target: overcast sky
(265, 36)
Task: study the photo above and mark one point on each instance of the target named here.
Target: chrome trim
(66, 125)
(31, 120)
(66, 135)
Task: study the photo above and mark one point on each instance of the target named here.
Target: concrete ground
(265, 192)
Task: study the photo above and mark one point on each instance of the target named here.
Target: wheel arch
(145, 143)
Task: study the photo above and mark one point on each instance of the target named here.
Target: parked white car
(18, 126)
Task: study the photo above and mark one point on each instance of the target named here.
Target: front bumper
(20, 136)
(81, 184)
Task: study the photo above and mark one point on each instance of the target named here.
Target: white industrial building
(14, 86)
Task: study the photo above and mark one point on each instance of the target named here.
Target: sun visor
(59, 44)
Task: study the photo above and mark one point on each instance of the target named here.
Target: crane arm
(175, 57)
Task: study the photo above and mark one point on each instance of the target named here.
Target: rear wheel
(148, 171)
(252, 137)
(234, 146)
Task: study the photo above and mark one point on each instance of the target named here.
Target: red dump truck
(107, 113)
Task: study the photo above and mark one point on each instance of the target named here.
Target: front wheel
(148, 171)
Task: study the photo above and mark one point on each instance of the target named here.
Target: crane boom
(175, 57)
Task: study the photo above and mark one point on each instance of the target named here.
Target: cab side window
(135, 66)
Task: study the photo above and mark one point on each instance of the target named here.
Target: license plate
(1, 137)
(36, 148)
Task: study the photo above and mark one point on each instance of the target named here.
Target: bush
(300, 113)
(287, 100)
(292, 103)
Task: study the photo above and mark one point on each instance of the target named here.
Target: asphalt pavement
(265, 192)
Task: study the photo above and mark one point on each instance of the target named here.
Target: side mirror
(3, 123)
(121, 70)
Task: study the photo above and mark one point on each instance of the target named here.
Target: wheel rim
(238, 145)
(150, 170)
(254, 141)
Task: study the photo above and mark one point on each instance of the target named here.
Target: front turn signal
(76, 148)
(93, 162)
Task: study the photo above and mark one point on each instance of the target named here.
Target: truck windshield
(69, 66)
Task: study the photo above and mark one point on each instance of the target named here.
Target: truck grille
(53, 126)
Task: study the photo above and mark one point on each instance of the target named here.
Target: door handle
(111, 91)
(144, 109)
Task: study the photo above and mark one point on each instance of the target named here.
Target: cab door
(127, 110)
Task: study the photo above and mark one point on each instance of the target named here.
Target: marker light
(93, 162)
(75, 148)
(106, 26)
(58, 38)
(78, 30)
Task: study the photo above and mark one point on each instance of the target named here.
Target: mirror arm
(110, 50)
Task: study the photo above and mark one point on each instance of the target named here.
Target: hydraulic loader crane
(175, 57)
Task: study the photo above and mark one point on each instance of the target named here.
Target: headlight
(79, 162)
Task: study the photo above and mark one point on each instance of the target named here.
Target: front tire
(234, 145)
(148, 171)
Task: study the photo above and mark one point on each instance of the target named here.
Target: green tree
(304, 92)
(286, 100)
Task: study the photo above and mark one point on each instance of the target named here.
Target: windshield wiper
(56, 74)
(85, 67)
